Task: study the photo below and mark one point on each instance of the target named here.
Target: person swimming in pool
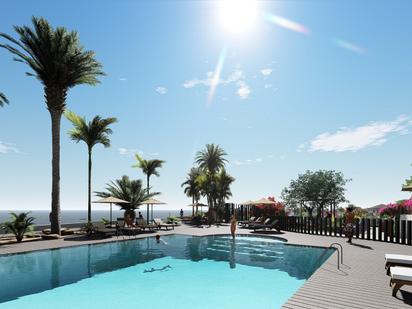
(158, 240)
(151, 270)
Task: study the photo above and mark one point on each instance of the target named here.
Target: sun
(237, 15)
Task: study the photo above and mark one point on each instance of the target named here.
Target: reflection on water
(43, 270)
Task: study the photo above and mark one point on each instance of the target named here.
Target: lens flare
(237, 15)
(287, 23)
(350, 46)
(216, 76)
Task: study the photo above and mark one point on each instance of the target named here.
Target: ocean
(80, 216)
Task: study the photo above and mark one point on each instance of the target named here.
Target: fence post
(403, 231)
(374, 229)
(357, 228)
(335, 225)
(409, 233)
(368, 229)
(379, 229)
(385, 230)
(397, 230)
(340, 226)
(390, 228)
(363, 228)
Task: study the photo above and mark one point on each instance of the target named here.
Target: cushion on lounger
(401, 273)
(398, 258)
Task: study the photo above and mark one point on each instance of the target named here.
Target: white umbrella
(151, 201)
(111, 200)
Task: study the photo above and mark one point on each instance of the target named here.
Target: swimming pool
(179, 272)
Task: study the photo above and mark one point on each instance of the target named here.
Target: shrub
(19, 224)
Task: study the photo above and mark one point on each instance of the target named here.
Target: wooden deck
(360, 283)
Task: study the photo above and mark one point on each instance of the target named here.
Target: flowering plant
(394, 209)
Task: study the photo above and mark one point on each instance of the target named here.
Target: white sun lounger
(400, 276)
(397, 260)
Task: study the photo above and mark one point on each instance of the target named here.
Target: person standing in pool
(349, 223)
(181, 213)
(233, 224)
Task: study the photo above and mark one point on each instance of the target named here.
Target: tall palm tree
(58, 60)
(211, 159)
(191, 186)
(3, 99)
(95, 132)
(149, 168)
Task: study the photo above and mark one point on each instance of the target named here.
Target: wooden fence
(394, 231)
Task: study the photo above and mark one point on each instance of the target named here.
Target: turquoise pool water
(180, 272)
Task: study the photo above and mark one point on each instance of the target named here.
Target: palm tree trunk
(89, 196)
(55, 220)
(148, 180)
(193, 206)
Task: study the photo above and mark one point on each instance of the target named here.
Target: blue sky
(317, 85)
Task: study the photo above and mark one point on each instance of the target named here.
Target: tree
(3, 99)
(95, 132)
(58, 60)
(211, 159)
(19, 224)
(316, 190)
(127, 189)
(149, 168)
(191, 186)
(223, 192)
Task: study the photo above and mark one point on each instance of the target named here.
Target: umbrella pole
(152, 212)
(147, 214)
(110, 213)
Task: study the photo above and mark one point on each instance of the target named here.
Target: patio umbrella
(263, 201)
(407, 188)
(111, 200)
(249, 202)
(151, 201)
(198, 205)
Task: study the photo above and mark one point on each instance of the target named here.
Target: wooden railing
(394, 231)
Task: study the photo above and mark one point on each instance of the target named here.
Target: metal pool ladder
(340, 252)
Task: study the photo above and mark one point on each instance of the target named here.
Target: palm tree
(129, 190)
(149, 168)
(19, 224)
(191, 186)
(223, 183)
(211, 159)
(95, 132)
(3, 99)
(58, 60)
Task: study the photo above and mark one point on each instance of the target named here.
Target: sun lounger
(258, 220)
(400, 276)
(102, 229)
(269, 225)
(260, 223)
(397, 260)
(161, 224)
(141, 223)
(245, 222)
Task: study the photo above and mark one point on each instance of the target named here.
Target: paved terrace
(360, 283)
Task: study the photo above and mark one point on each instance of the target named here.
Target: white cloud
(237, 77)
(128, 152)
(161, 90)
(266, 72)
(153, 154)
(258, 160)
(122, 79)
(354, 139)
(8, 148)
(243, 91)
(225, 119)
(266, 86)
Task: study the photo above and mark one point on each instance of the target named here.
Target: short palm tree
(19, 224)
(211, 159)
(191, 185)
(3, 99)
(149, 168)
(58, 60)
(95, 132)
(223, 183)
(127, 189)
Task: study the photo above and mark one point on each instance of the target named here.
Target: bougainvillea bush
(392, 210)
(270, 211)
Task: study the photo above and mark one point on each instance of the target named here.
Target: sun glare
(238, 15)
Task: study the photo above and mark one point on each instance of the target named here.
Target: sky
(282, 86)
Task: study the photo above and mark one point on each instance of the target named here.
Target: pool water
(179, 272)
